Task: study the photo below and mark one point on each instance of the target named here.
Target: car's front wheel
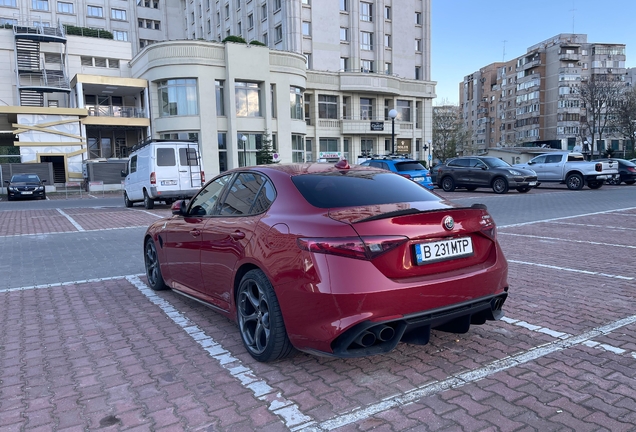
(260, 319)
(127, 201)
(500, 185)
(153, 270)
(448, 184)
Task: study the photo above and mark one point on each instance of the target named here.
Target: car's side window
(133, 164)
(478, 164)
(376, 165)
(553, 159)
(242, 194)
(459, 163)
(264, 199)
(539, 159)
(203, 203)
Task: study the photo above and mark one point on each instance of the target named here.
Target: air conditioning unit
(609, 70)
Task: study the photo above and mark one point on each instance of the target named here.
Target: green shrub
(237, 39)
(87, 32)
(255, 42)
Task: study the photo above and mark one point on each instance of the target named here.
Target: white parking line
(74, 232)
(568, 240)
(567, 217)
(613, 228)
(536, 328)
(468, 377)
(59, 284)
(277, 404)
(587, 272)
(71, 220)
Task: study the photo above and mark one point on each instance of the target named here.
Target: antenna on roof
(573, 10)
(503, 59)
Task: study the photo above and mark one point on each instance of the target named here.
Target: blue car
(409, 168)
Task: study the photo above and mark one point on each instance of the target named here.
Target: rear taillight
(406, 176)
(153, 178)
(365, 248)
(488, 227)
(598, 167)
(202, 177)
(631, 169)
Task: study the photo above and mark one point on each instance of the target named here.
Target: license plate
(27, 193)
(532, 184)
(168, 182)
(443, 250)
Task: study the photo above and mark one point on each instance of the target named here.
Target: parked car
(162, 170)
(472, 172)
(626, 172)
(25, 186)
(571, 169)
(409, 168)
(433, 172)
(341, 260)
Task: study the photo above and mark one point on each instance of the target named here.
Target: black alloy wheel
(500, 185)
(153, 270)
(260, 319)
(448, 184)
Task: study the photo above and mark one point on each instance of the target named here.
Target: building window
(227, 11)
(42, 5)
(404, 110)
(94, 11)
(366, 12)
(344, 34)
(118, 14)
(296, 103)
(178, 97)
(220, 98)
(221, 138)
(7, 3)
(366, 66)
(366, 41)
(346, 107)
(418, 18)
(344, 5)
(387, 41)
(366, 108)
(278, 34)
(265, 39)
(388, 68)
(306, 28)
(264, 11)
(120, 35)
(344, 64)
(418, 45)
(387, 12)
(272, 96)
(306, 2)
(208, 26)
(298, 148)
(418, 73)
(248, 99)
(62, 7)
(308, 109)
(239, 28)
(308, 62)
(250, 21)
(329, 145)
(327, 107)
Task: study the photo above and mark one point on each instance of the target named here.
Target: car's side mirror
(530, 163)
(6, 181)
(44, 181)
(484, 167)
(179, 208)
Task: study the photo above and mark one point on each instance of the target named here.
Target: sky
(469, 34)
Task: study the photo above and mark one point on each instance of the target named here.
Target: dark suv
(472, 172)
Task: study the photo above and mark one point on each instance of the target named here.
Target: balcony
(115, 111)
(570, 57)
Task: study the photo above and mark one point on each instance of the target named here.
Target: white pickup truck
(571, 169)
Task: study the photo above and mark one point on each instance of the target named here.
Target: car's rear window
(165, 157)
(359, 188)
(409, 166)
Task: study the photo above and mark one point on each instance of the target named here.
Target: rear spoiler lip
(413, 211)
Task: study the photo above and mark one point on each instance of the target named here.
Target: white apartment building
(322, 88)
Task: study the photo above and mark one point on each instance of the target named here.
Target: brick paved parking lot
(110, 354)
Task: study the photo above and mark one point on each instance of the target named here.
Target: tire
(524, 189)
(260, 319)
(127, 201)
(500, 185)
(149, 203)
(630, 182)
(448, 184)
(153, 270)
(595, 184)
(574, 182)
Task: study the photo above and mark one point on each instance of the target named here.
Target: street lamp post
(244, 139)
(393, 114)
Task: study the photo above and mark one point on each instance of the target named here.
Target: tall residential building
(535, 99)
(322, 86)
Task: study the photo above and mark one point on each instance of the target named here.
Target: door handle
(237, 235)
(195, 233)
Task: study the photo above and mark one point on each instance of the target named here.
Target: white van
(162, 170)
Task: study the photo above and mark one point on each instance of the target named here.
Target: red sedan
(331, 260)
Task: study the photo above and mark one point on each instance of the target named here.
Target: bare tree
(600, 95)
(448, 131)
(624, 116)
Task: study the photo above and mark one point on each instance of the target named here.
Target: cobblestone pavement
(108, 353)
